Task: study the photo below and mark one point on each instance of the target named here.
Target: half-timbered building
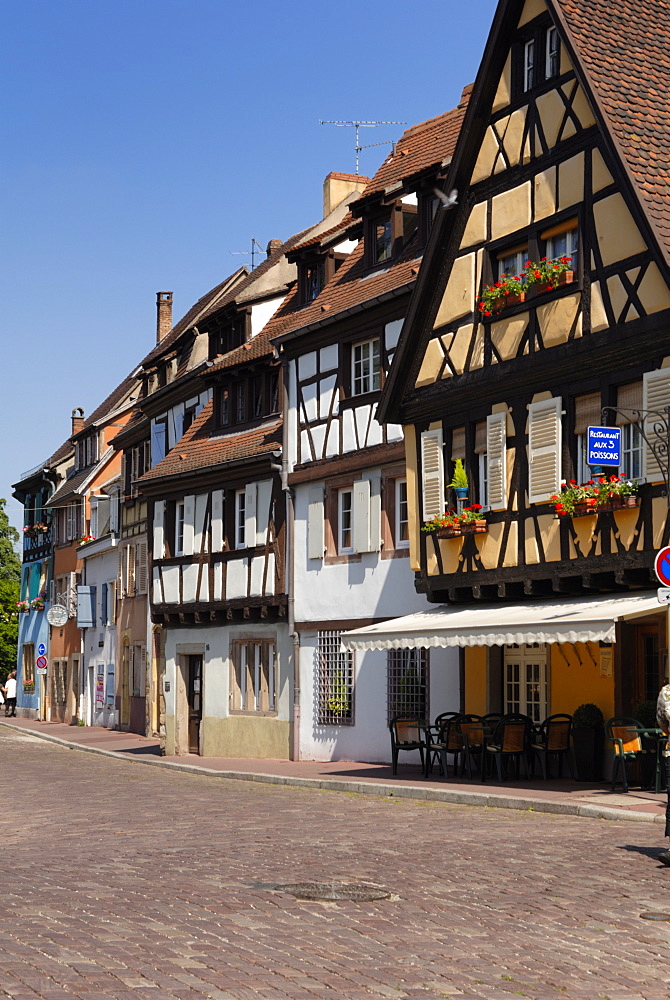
(563, 155)
(345, 469)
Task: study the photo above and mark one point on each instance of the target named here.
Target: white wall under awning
(581, 619)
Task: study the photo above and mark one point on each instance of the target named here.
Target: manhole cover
(655, 916)
(334, 890)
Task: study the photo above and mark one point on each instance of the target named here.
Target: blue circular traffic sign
(41, 649)
(662, 565)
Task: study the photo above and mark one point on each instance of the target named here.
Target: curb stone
(446, 795)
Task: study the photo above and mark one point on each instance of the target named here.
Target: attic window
(383, 241)
(539, 58)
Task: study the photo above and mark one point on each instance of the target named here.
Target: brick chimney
(337, 186)
(273, 246)
(77, 420)
(163, 315)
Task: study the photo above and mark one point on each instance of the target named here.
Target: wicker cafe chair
(554, 739)
(406, 735)
(472, 728)
(623, 733)
(449, 740)
(510, 741)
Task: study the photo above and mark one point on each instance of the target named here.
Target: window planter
(565, 278)
(614, 503)
(478, 527)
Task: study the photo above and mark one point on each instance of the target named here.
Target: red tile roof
(199, 449)
(624, 46)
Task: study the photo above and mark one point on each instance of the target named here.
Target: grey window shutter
(189, 524)
(316, 539)
(159, 529)
(361, 516)
(544, 449)
(250, 516)
(103, 605)
(264, 496)
(85, 607)
(496, 460)
(432, 470)
(217, 520)
(655, 396)
(141, 567)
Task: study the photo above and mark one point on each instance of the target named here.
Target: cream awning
(580, 619)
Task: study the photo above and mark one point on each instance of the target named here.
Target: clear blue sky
(143, 140)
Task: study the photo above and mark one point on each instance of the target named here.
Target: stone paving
(139, 882)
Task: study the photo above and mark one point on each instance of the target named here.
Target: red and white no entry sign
(662, 565)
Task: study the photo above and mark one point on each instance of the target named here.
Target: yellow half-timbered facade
(559, 165)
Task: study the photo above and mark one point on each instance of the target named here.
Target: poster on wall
(100, 686)
(110, 688)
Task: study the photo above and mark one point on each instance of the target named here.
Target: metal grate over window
(335, 681)
(407, 689)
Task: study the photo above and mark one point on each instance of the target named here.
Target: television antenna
(358, 125)
(256, 248)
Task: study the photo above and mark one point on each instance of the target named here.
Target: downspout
(289, 562)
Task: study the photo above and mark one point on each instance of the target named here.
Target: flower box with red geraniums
(454, 524)
(605, 493)
(23, 607)
(545, 275)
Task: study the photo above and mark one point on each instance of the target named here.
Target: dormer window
(86, 451)
(228, 334)
(247, 399)
(314, 274)
(383, 241)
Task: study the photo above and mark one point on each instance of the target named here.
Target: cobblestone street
(126, 881)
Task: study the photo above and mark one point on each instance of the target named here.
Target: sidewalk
(555, 796)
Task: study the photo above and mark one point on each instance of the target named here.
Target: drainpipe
(289, 562)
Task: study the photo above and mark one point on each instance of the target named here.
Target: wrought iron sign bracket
(654, 429)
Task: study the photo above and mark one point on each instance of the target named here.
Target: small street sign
(41, 663)
(663, 595)
(603, 446)
(41, 649)
(57, 615)
(662, 566)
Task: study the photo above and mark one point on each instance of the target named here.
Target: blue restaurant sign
(603, 446)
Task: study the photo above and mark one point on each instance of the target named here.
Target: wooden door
(647, 671)
(194, 703)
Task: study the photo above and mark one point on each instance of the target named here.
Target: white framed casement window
(529, 64)
(631, 451)
(563, 244)
(366, 367)
(552, 63)
(345, 521)
(544, 449)
(179, 528)
(483, 479)
(401, 533)
(158, 440)
(525, 680)
(240, 518)
(511, 262)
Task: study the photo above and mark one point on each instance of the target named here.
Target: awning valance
(587, 619)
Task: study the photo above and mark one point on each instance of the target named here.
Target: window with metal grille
(407, 683)
(335, 681)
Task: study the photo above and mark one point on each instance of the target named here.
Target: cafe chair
(473, 728)
(626, 736)
(510, 743)
(449, 740)
(406, 735)
(553, 739)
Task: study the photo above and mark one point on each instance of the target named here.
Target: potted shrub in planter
(588, 734)
(459, 481)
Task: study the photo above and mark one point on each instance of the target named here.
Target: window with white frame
(552, 54)
(529, 64)
(525, 685)
(345, 521)
(407, 683)
(240, 518)
(565, 244)
(511, 262)
(631, 451)
(253, 684)
(366, 367)
(483, 479)
(335, 681)
(401, 534)
(179, 528)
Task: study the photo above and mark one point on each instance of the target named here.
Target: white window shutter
(217, 520)
(111, 594)
(496, 459)
(432, 466)
(375, 480)
(122, 572)
(159, 529)
(655, 396)
(250, 515)
(52, 591)
(93, 507)
(361, 516)
(316, 537)
(544, 449)
(264, 497)
(114, 513)
(141, 567)
(189, 524)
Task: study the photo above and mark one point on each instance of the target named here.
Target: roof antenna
(256, 248)
(357, 125)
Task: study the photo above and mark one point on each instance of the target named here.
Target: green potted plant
(645, 713)
(459, 481)
(588, 734)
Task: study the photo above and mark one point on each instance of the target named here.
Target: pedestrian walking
(10, 695)
(663, 720)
